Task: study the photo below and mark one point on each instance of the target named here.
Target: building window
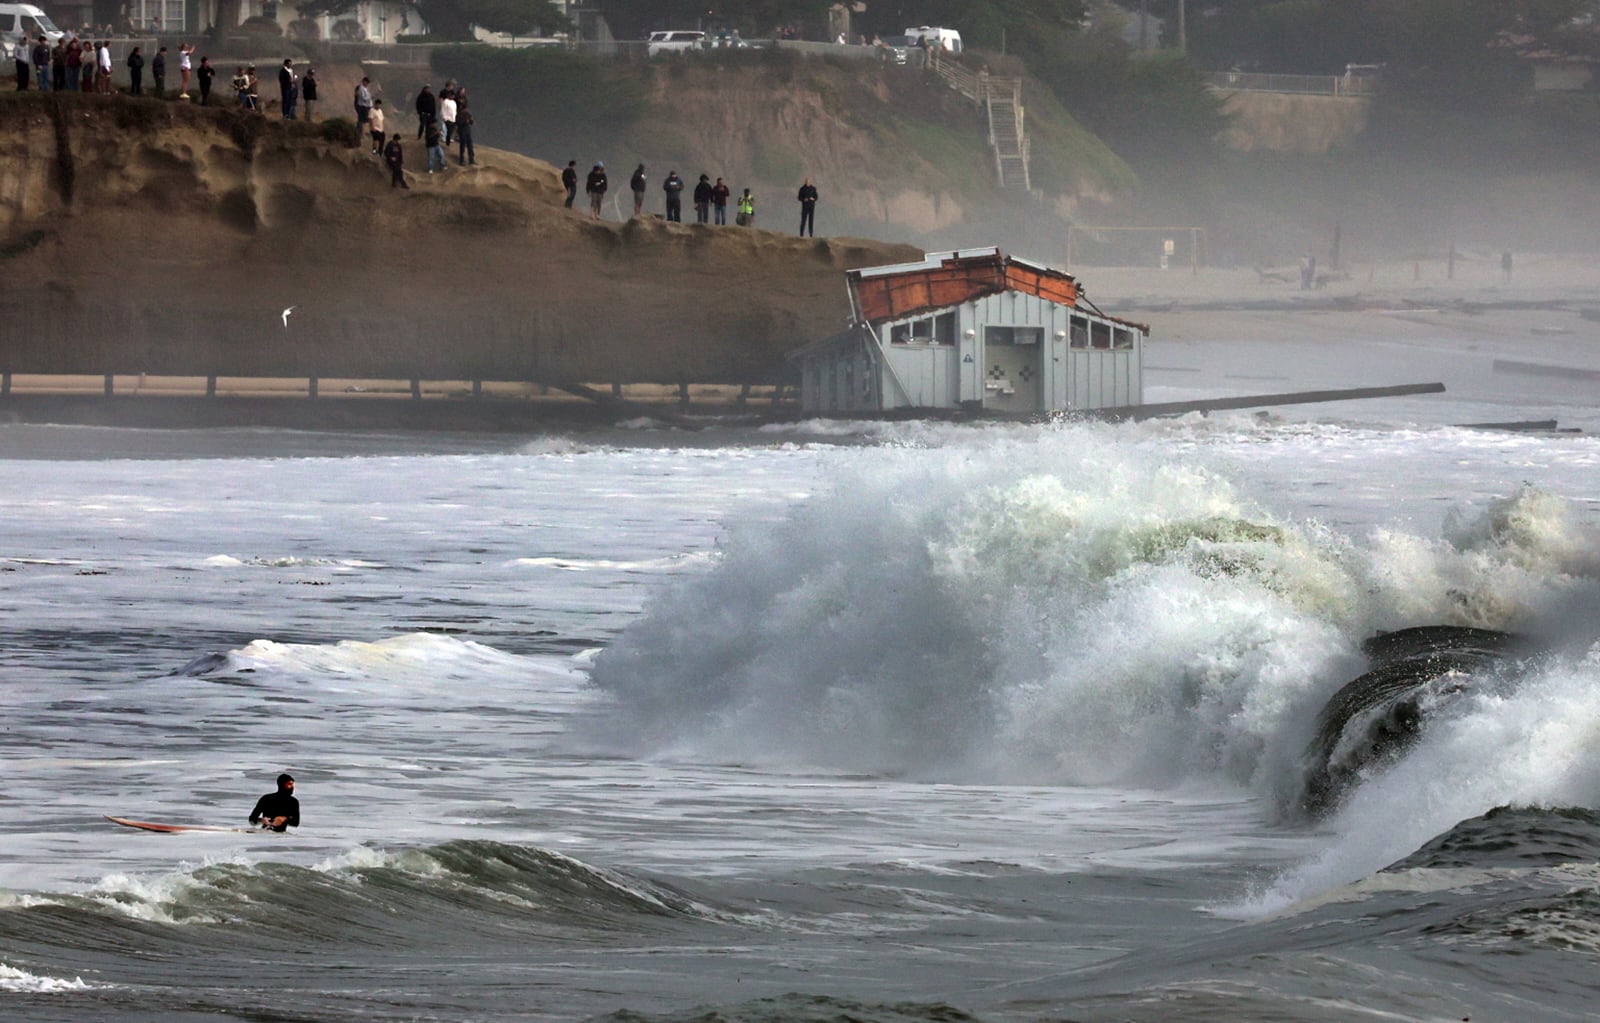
(1079, 336)
(929, 330)
(1013, 335)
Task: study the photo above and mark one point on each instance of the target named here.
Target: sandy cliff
(138, 236)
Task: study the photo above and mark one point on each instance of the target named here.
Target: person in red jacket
(719, 201)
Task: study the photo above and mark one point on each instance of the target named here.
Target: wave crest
(1060, 608)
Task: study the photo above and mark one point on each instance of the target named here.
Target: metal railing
(1304, 85)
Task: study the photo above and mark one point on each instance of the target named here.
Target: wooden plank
(1178, 408)
(623, 404)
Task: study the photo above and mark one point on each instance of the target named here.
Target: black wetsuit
(277, 804)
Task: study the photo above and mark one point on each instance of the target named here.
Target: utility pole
(1183, 27)
(1143, 21)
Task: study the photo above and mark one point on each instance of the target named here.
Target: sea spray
(1063, 608)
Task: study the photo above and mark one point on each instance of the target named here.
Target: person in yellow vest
(747, 210)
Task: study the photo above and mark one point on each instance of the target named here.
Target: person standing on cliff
(102, 78)
(719, 202)
(569, 181)
(41, 64)
(747, 210)
(308, 91)
(673, 186)
(58, 66)
(433, 138)
(136, 71)
(363, 106)
(87, 68)
(808, 208)
(158, 73)
(19, 56)
(466, 152)
(287, 91)
(185, 52)
(73, 57)
(375, 122)
(595, 188)
(702, 200)
(427, 110)
(638, 184)
(447, 114)
(204, 75)
(395, 156)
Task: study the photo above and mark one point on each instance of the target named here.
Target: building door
(1013, 362)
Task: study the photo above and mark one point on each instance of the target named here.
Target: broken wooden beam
(1177, 408)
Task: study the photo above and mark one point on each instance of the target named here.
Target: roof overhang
(946, 279)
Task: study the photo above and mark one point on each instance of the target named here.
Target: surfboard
(167, 829)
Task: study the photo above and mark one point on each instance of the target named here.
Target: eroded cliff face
(752, 134)
(139, 236)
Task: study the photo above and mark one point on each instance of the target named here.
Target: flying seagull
(286, 313)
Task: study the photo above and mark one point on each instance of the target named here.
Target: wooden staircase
(1001, 100)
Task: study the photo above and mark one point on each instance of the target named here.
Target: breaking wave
(458, 889)
(1064, 608)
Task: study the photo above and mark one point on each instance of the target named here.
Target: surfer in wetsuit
(278, 810)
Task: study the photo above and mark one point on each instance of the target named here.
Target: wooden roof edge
(990, 255)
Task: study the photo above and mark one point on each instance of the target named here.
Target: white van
(946, 39)
(677, 41)
(29, 20)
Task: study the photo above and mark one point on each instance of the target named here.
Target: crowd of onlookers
(74, 64)
(710, 200)
(71, 64)
(443, 120)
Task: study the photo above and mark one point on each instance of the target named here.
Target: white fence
(1307, 85)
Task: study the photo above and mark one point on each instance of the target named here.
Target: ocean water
(809, 723)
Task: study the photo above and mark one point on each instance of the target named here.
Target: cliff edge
(161, 237)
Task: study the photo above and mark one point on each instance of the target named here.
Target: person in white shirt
(19, 53)
(103, 59)
(447, 114)
(375, 122)
(183, 68)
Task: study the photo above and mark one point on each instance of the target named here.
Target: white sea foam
(1526, 742)
(168, 897)
(1060, 607)
(23, 982)
(593, 564)
(418, 658)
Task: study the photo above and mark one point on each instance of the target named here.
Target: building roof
(946, 279)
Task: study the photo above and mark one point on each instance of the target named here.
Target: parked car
(897, 49)
(946, 39)
(27, 19)
(675, 41)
